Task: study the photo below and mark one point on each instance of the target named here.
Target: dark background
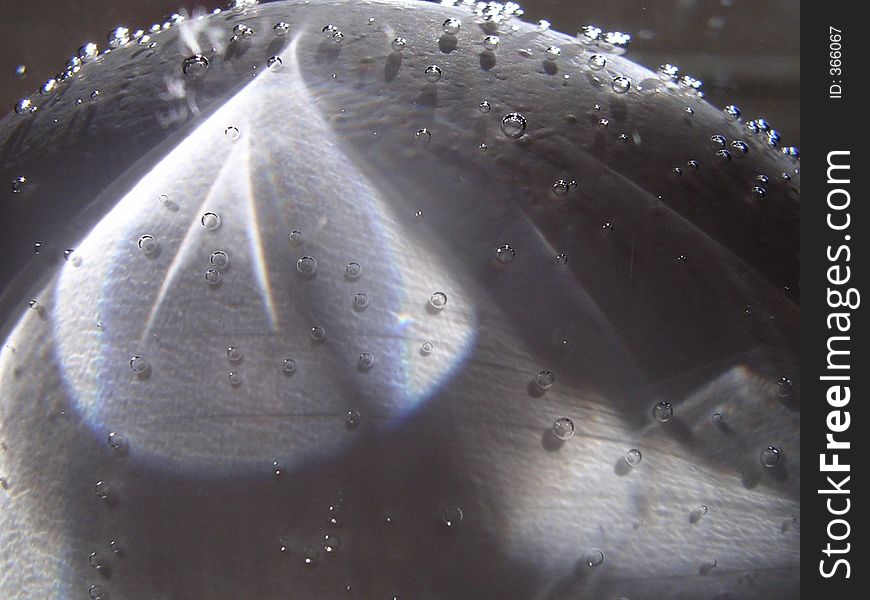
(747, 52)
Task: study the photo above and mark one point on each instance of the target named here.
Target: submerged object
(289, 356)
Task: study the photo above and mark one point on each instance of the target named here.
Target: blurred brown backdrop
(747, 52)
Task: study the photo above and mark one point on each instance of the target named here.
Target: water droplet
(717, 418)
(116, 440)
(759, 192)
(96, 560)
(723, 154)
(545, 379)
(718, 140)
(34, 305)
(597, 62)
(603, 123)
(770, 456)
(281, 28)
(232, 133)
(451, 517)
(398, 44)
(18, 184)
(702, 510)
(296, 237)
(620, 84)
(352, 420)
(676, 172)
(139, 365)
(594, 557)
(690, 111)
(25, 107)
(561, 187)
(241, 31)
(331, 543)
(732, 111)
(663, 411)
(785, 387)
(88, 52)
(451, 26)
(148, 245)
(288, 366)
(210, 221)
(427, 347)
(552, 53)
(513, 125)
(563, 428)
(48, 87)
(366, 360)
(101, 489)
(669, 72)
(310, 557)
(307, 265)
(633, 457)
(38, 247)
(561, 259)
(317, 333)
(194, 67)
(432, 73)
(219, 259)
(505, 254)
(235, 378)
(213, 277)
(234, 354)
(692, 164)
(484, 106)
(96, 593)
(337, 37)
(490, 42)
(360, 300)
(120, 36)
(423, 136)
(274, 63)
(482, 147)
(438, 300)
(740, 147)
(95, 95)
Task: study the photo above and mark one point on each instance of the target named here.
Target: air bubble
(307, 265)
(288, 366)
(139, 365)
(633, 457)
(451, 517)
(194, 67)
(427, 347)
(398, 44)
(438, 300)
(563, 428)
(620, 84)
(360, 300)
(235, 378)
(423, 136)
(213, 277)
(552, 53)
(451, 26)
(490, 42)
(274, 63)
(148, 245)
(317, 333)
(210, 221)
(234, 354)
(663, 411)
(597, 62)
(505, 254)
(353, 270)
(432, 73)
(545, 379)
(296, 237)
(484, 106)
(770, 456)
(513, 125)
(232, 133)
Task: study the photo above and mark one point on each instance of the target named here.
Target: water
(212, 462)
